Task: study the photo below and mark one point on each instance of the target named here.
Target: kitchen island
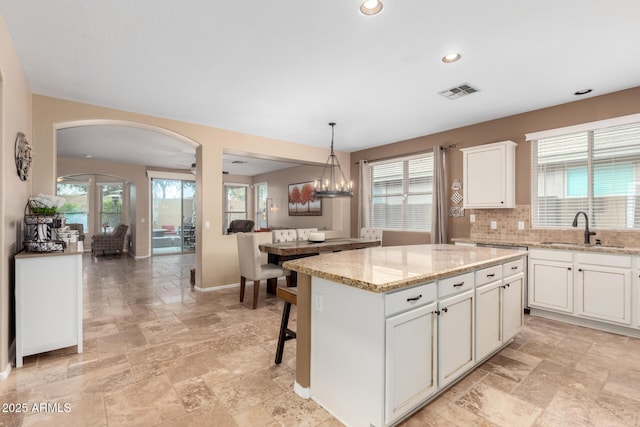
(382, 331)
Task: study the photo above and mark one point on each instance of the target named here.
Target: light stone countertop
(567, 246)
(383, 269)
(70, 249)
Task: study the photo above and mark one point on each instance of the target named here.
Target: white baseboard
(303, 392)
(216, 288)
(5, 373)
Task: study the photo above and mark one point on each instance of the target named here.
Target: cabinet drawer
(406, 299)
(488, 275)
(513, 267)
(453, 285)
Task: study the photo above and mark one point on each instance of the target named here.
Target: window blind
(596, 171)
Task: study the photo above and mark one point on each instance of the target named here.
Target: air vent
(458, 91)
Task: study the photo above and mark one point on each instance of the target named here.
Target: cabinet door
(410, 360)
(512, 306)
(551, 285)
(484, 183)
(456, 336)
(604, 293)
(488, 319)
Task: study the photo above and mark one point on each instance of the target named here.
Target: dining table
(279, 252)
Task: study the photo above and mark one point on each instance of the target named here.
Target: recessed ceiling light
(582, 92)
(370, 7)
(88, 156)
(451, 57)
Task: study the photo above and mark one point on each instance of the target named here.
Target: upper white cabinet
(489, 175)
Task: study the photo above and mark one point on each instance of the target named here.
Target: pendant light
(332, 182)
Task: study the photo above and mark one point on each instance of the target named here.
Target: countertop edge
(558, 246)
(405, 283)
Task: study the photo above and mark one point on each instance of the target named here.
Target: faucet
(587, 233)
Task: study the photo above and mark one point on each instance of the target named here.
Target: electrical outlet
(494, 225)
(520, 225)
(472, 218)
(318, 301)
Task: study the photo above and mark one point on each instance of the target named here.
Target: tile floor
(158, 353)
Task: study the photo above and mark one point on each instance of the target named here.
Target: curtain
(439, 205)
(364, 195)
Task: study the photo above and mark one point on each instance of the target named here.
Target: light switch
(472, 218)
(494, 225)
(207, 224)
(520, 225)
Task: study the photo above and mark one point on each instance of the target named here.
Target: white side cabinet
(551, 280)
(512, 306)
(489, 175)
(488, 311)
(48, 302)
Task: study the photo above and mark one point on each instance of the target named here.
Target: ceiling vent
(458, 91)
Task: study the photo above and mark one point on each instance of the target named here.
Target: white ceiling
(285, 69)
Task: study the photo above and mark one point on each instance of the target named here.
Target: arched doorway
(133, 152)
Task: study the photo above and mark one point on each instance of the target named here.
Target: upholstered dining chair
(112, 242)
(371, 233)
(251, 267)
(280, 236)
(303, 233)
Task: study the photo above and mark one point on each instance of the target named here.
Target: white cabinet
(456, 336)
(488, 319)
(410, 360)
(603, 287)
(489, 175)
(512, 306)
(551, 280)
(48, 302)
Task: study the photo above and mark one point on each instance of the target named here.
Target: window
(401, 193)
(235, 203)
(76, 207)
(594, 170)
(262, 213)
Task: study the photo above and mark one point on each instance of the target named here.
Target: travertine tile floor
(158, 353)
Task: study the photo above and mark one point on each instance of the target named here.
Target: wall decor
(23, 156)
(302, 202)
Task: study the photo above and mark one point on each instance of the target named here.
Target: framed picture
(302, 202)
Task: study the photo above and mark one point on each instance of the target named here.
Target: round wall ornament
(23, 156)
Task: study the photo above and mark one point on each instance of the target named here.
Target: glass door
(110, 206)
(173, 213)
(76, 206)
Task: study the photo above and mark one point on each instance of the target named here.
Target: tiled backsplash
(507, 229)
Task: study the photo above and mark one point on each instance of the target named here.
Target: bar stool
(290, 296)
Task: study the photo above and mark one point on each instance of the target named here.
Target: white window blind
(596, 171)
(401, 195)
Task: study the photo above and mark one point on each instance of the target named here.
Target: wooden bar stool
(290, 296)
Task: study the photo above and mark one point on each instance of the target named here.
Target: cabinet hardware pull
(569, 268)
(515, 267)
(437, 312)
(414, 298)
(445, 309)
(491, 275)
(455, 285)
(580, 270)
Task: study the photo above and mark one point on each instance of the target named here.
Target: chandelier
(332, 182)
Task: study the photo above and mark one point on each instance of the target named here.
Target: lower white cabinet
(488, 318)
(551, 280)
(512, 306)
(456, 336)
(411, 360)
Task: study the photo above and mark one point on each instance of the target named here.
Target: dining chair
(251, 267)
(371, 233)
(303, 233)
(280, 236)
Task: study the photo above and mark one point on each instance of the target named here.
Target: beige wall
(278, 188)
(216, 254)
(511, 128)
(15, 116)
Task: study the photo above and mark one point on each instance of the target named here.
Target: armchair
(112, 242)
(240, 226)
